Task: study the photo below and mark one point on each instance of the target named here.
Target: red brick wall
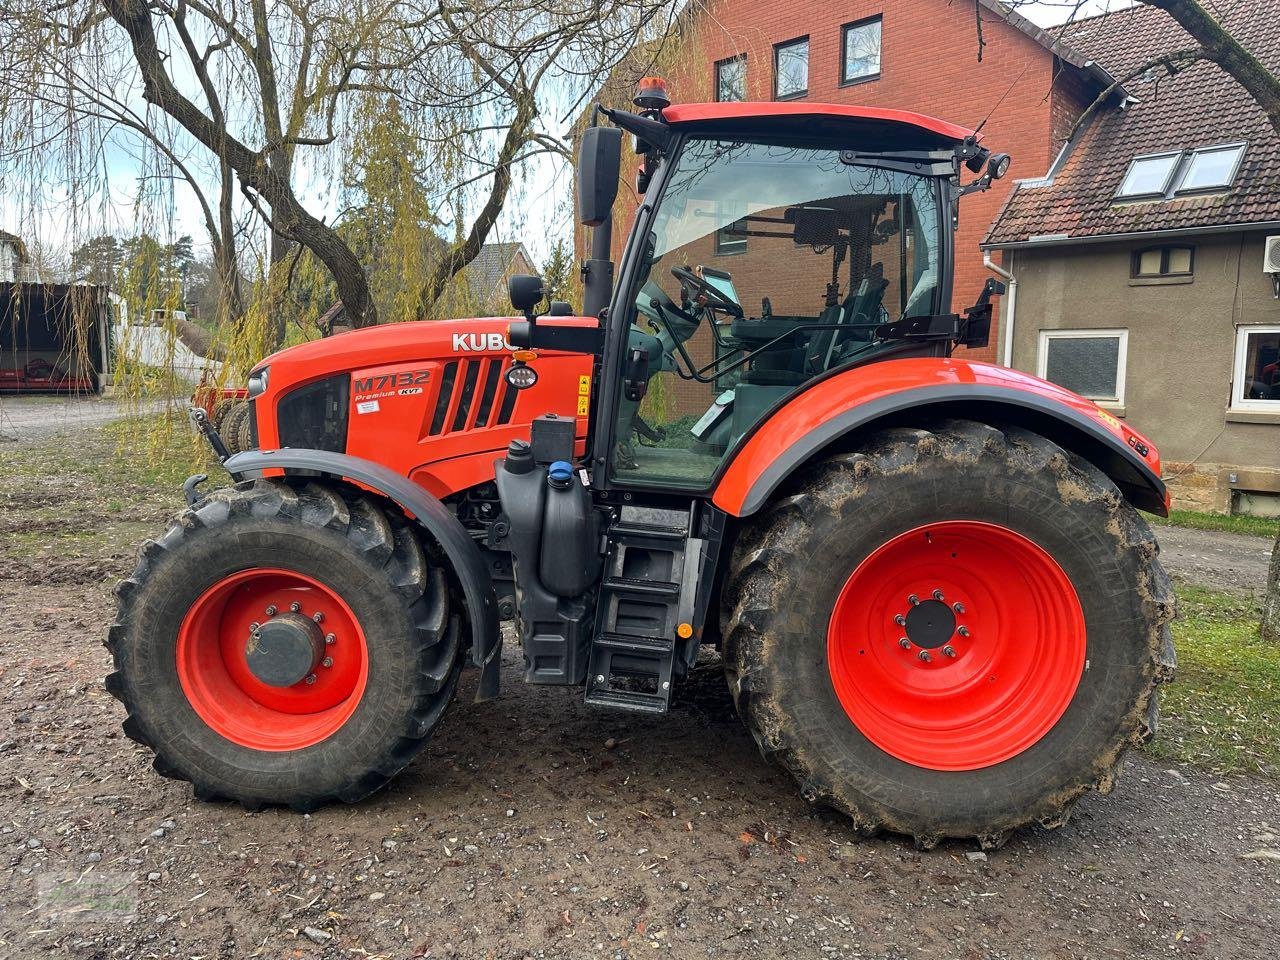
(928, 64)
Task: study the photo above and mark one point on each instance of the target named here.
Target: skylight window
(1149, 176)
(1212, 168)
(1163, 175)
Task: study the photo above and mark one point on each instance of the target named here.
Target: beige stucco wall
(1180, 353)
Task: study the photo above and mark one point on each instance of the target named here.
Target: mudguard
(856, 399)
(426, 510)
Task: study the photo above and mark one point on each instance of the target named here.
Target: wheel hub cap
(930, 624)
(285, 650)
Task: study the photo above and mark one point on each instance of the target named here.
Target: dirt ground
(532, 827)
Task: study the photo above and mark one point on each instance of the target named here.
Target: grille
(470, 390)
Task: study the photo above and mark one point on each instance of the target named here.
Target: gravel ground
(534, 827)
(30, 418)
(1213, 558)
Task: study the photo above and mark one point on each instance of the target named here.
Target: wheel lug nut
(963, 631)
(330, 638)
(904, 643)
(253, 627)
(958, 607)
(937, 594)
(913, 600)
(900, 620)
(295, 606)
(311, 678)
(271, 610)
(318, 617)
(949, 650)
(327, 662)
(925, 656)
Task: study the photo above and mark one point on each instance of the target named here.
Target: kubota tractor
(936, 602)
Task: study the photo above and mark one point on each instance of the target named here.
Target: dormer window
(1161, 176)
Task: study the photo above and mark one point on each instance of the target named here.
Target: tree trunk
(1271, 605)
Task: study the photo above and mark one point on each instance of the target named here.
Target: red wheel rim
(968, 676)
(221, 688)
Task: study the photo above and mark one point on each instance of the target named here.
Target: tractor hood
(386, 343)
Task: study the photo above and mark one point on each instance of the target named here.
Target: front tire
(992, 704)
(263, 563)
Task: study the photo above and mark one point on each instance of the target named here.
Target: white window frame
(1175, 155)
(1238, 401)
(1241, 147)
(1122, 357)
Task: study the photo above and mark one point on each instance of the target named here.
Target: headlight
(258, 382)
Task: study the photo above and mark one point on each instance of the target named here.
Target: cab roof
(868, 127)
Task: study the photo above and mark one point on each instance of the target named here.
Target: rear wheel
(284, 645)
(950, 632)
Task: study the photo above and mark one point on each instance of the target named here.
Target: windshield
(789, 221)
(766, 266)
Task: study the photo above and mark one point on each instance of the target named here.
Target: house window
(1163, 262)
(1149, 176)
(860, 51)
(1212, 168)
(1257, 374)
(1088, 362)
(732, 238)
(731, 79)
(791, 69)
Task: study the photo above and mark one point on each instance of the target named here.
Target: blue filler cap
(561, 470)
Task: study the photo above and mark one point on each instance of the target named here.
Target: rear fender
(429, 513)
(838, 407)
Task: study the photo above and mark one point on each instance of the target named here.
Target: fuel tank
(429, 399)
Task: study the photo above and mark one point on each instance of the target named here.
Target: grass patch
(1223, 709)
(1253, 526)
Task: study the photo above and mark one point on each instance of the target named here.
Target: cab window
(766, 267)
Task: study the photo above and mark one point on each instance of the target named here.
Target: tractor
(927, 578)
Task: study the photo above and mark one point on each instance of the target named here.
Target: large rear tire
(992, 703)
(213, 621)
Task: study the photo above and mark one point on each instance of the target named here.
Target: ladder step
(644, 646)
(627, 700)
(646, 587)
(625, 529)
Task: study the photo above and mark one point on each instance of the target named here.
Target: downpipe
(1011, 303)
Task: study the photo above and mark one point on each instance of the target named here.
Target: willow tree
(502, 85)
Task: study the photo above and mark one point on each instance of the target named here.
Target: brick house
(1141, 260)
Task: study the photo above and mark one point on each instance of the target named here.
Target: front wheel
(284, 644)
(951, 632)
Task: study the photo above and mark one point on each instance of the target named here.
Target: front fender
(432, 515)
(896, 391)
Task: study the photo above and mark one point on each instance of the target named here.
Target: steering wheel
(709, 295)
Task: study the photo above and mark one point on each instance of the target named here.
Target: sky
(538, 214)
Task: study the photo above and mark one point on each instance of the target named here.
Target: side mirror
(525, 292)
(559, 308)
(599, 163)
